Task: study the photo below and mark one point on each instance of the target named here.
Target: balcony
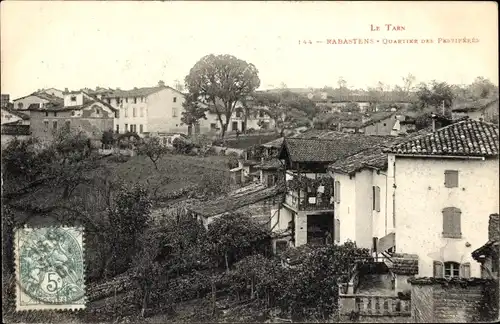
(309, 193)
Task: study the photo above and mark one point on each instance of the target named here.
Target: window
(67, 124)
(97, 111)
(142, 111)
(175, 99)
(451, 222)
(337, 230)
(109, 101)
(238, 113)
(174, 112)
(140, 129)
(261, 113)
(451, 270)
(134, 112)
(46, 124)
(126, 99)
(385, 124)
(72, 98)
(46, 114)
(117, 129)
(126, 112)
(126, 127)
(135, 100)
(451, 178)
(55, 114)
(213, 126)
(54, 124)
(20, 105)
(376, 198)
(336, 191)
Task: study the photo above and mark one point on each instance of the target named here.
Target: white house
(147, 110)
(443, 186)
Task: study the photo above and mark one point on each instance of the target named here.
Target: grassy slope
(178, 171)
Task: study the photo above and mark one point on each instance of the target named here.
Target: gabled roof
(272, 164)
(274, 143)
(373, 157)
(43, 95)
(377, 117)
(236, 201)
(464, 138)
(403, 264)
(16, 113)
(139, 92)
(326, 150)
(87, 102)
(474, 105)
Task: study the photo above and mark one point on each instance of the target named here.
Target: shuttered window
(438, 269)
(465, 270)
(451, 178)
(376, 198)
(337, 230)
(337, 191)
(451, 222)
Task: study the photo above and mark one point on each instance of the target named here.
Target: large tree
(222, 81)
(437, 95)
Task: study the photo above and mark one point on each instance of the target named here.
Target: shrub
(182, 146)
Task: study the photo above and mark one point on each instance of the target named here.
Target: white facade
(420, 197)
(360, 219)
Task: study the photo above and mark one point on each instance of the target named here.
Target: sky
(77, 44)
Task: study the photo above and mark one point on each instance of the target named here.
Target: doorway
(320, 229)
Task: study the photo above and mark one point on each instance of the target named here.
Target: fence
(374, 305)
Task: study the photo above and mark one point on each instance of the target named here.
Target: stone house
(381, 123)
(80, 111)
(453, 173)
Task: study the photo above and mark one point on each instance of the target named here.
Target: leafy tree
(352, 107)
(107, 138)
(435, 95)
(482, 88)
(222, 81)
(128, 219)
(193, 111)
(153, 149)
(408, 82)
(233, 236)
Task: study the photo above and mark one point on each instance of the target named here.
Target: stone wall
(451, 301)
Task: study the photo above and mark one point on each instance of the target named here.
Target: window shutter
(338, 191)
(373, 197)
(377, 199)
(438, 269)
(451, 178)
(452, 222)
(465, 270)
(337, 230)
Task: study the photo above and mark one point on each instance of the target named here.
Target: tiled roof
(139, 92)
(273, 164)
(474, 105)
(274, 143)
(375, 118)
(326, 149)
(16, 113)
(15, 129)
(404, 264)
(373, 157)
(236, 201)
(464, 138)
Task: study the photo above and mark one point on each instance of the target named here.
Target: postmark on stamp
(50, 269)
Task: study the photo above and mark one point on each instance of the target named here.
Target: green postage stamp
(50, 269)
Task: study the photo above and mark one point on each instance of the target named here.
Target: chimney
(66, 90)
(494, 228)
(161, 83)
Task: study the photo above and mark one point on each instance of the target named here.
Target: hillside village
(293, 205)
